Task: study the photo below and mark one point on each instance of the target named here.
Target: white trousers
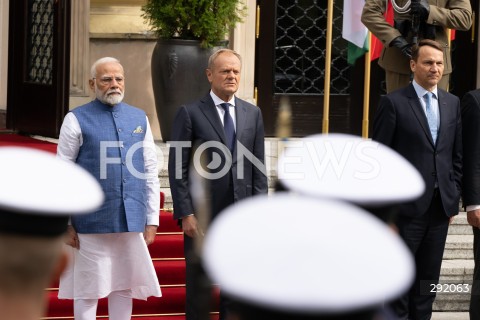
(120, 305)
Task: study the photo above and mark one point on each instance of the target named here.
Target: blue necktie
(431, 117)
(228, 127)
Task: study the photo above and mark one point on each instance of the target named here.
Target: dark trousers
(475, 295)
(197, 283)
(425, 236)
(199, 292)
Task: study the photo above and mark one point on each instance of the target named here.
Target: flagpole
(449, 41)
(328, 58)
(366, 89)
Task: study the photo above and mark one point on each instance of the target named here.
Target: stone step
(164, 182)
(457, 271)
(168, 198)
(460, 229)
(459, 243)
(456, 275)
(458, 247)
(450, 316)
(452, 302)
(461, 218)
(460, 225)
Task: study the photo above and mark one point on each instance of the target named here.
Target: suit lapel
(419, 113)
(210, 111)
(241, 117)
(442, 110)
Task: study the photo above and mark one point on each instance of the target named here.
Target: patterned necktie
(431, 117)
(228, 127)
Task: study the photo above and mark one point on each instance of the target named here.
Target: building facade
(283, 45)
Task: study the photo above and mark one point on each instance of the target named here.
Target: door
(38, 77)
(291, 62)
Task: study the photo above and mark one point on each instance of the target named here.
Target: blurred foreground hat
(38, 192)
(306, 257)
(349, 168)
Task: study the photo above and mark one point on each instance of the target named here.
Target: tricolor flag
(376, 45)
(353, 30)
(452, 34)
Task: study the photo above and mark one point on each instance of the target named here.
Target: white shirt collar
(219, 101)
(421, 91)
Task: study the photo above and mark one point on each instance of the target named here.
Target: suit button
(434, 173)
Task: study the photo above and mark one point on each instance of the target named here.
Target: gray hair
(215, 55)
(93, 70)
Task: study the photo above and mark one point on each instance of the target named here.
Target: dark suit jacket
(401, 123)
(471, 150)
(199, 123)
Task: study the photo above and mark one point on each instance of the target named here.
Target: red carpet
(169, 262)
(166, 253)
(10, 139)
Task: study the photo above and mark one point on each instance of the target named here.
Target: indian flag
(353, 30)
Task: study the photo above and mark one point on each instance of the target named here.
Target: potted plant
(189, 31)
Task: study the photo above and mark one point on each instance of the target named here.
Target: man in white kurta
(113, 141)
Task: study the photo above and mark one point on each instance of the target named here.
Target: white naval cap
(304, 255)
(350, 168)
(38, 192)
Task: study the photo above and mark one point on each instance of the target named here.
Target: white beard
(110, 99)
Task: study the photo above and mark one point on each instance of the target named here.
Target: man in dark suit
(229, 133)
(471, 185)
(423, 123)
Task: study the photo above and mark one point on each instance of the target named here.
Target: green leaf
(206, 20)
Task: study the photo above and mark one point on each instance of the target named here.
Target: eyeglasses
(108, 80)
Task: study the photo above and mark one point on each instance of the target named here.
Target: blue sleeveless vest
(112, 152)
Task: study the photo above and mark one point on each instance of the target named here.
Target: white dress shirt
(421, 93)
(221, 111)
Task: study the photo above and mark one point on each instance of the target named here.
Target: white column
(243, 41)
(79, 52)
(3, 53)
